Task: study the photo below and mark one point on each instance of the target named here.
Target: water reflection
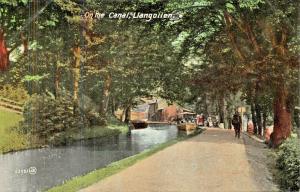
(39, 169)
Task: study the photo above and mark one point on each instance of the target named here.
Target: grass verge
(284, 164)
(10, 140)
(95, 132)
(80, 182)
(108, 131)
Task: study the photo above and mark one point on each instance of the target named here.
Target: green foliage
(92, 132)
(16, 93)
(48, 118)
(36, 78)
(10, 139)
(94, 118)
(177, 60)
(14, 2)
(54, 121)
(253, 4)
(288, 164)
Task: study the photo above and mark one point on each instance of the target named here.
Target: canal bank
(54, 166)
(212, 161)
(81, 182)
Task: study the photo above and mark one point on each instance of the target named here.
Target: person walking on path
(201, 165)
(237, 122)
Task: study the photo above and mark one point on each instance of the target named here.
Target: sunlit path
(212, 161)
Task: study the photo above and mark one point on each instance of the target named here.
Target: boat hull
(187, 126)
(139, 124)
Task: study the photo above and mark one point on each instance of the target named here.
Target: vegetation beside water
(96, 132)
(56, 121)
(15, 137)
(10, 140)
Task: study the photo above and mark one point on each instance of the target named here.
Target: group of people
(209, 121)
(236, 121)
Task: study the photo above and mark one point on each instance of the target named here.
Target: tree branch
(228, 22)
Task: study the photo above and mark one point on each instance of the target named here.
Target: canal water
(40, 169)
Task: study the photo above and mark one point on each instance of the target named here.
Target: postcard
(149, 95)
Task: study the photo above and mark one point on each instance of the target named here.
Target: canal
(39, 169)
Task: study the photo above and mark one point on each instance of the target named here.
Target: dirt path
(212, 161)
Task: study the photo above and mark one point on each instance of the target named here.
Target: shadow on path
(211, 161)
(257, 154)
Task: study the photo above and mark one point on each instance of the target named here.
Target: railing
(12, 105)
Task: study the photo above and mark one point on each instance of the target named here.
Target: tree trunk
(226, 122)
(76, 74)
(205, 106)
(127, 114)
(264, 120)
(105, 95)
(113, 106)
(56, 81)
(229, 115)
(4, 53)
(254, 118)
(258, 119)
(282, 117)
(221, 109)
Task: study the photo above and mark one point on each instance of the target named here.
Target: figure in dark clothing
(237, 122)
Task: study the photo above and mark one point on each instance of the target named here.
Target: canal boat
(188, 122)
(187, 126)
(139, 124)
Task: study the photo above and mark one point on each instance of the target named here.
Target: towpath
(211, 161)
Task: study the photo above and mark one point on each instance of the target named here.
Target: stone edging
(254, 137)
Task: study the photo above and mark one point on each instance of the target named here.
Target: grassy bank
(80, 182)
(10, 140)
(114, 128)
(110, 130)
(121, 127)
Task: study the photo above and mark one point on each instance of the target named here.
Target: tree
(11, 30)
(245, 41)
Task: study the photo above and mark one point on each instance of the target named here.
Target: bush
(94, 119)
(48, 118)
(15, 93)
(288, 164)
(91, 111)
